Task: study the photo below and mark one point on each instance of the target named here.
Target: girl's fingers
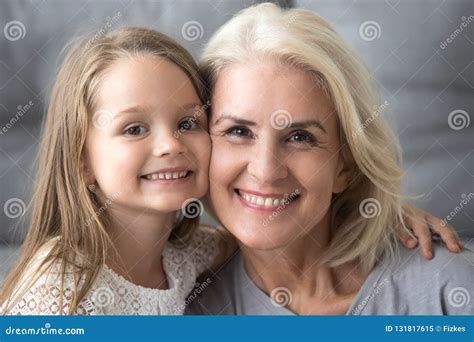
(421, 230)
(447, 233)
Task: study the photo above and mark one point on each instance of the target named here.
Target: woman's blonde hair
(366, 213)
(63, 207)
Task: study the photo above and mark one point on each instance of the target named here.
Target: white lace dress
(112, 294)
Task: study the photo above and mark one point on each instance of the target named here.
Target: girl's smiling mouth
(174, 176)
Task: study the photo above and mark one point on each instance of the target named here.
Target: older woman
(305, 174)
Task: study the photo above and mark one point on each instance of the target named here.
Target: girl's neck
(139, 240)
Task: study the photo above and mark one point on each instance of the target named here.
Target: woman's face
(276, 157)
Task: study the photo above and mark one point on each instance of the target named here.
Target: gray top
(409, 285)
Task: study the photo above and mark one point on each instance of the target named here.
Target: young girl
(124, 156)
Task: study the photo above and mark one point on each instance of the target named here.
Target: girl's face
(275, 136)
(148, 145)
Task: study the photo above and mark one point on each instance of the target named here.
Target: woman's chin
(260, 240)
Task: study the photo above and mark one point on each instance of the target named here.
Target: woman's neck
(298, 268)
(139, 240)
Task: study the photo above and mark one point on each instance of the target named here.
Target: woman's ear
(345, 170)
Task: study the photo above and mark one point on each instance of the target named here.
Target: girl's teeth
(263, 201)
(167, 175)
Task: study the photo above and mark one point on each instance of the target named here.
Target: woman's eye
(187, 125)
(135, 130)
(302, 138)
(239, 131)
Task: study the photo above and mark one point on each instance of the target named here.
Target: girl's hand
(424, 226)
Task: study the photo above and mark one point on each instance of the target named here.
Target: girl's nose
(266, 163)
(167, 144)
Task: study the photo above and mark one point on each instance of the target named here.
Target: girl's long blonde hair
(62, 206)
(367, 213)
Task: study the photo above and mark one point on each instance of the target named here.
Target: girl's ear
(86, 169)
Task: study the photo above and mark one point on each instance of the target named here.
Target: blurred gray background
(419, 52)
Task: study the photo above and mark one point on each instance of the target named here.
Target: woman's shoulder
(407, 284)
(444, 265)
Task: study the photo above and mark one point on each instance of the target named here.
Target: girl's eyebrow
(131, 110)
(140, 109)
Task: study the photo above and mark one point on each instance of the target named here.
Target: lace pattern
(112, 294)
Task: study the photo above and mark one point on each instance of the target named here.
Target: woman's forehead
(254, 91)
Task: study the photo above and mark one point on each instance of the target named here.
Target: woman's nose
(168, 144)
(266, 163)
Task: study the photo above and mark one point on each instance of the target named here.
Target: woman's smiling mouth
(265, 202)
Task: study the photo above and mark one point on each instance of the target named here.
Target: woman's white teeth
(167, 175)
(263, 201)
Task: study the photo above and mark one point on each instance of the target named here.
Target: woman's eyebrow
(308, 123)
(236, 119)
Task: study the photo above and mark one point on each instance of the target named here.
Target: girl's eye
(135, 130)
(187, 125)
(302, 138)
(239, 131)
